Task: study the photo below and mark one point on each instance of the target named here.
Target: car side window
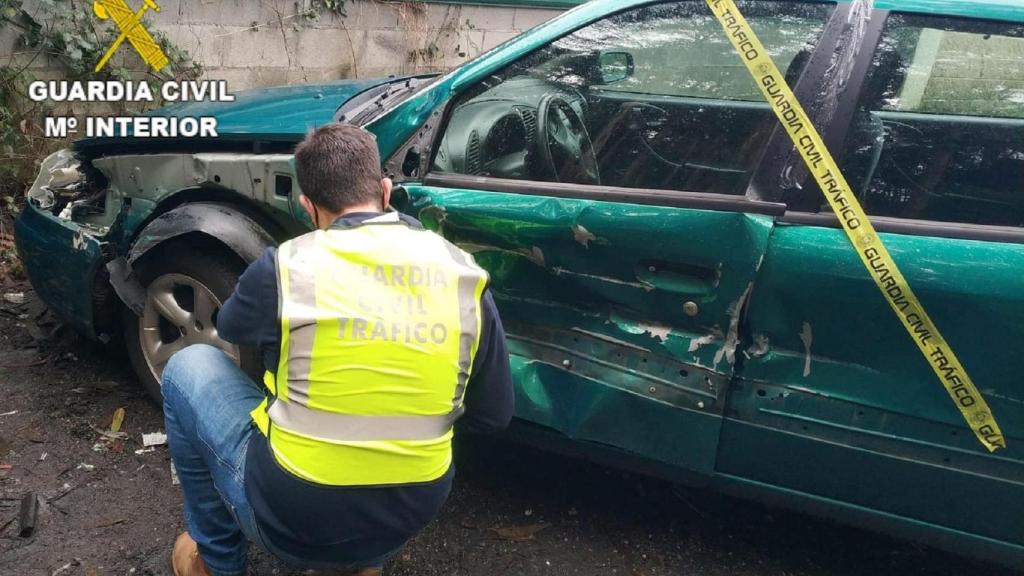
(939, 128)
(650, 98)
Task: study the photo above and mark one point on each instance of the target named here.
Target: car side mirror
(614, 66)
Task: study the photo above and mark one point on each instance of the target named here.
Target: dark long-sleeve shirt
(346, 524)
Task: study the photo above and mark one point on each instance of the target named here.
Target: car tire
(186, 282)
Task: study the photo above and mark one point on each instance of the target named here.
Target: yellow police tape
(859, 230)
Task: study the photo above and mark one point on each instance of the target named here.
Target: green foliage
(21, 142)
(66, 35)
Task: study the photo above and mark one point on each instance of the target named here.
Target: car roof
(1006, 10)
(1009, 10)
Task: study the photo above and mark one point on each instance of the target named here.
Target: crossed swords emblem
(130, 24)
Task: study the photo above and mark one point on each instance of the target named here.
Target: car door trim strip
(667, 198)
(910, 227)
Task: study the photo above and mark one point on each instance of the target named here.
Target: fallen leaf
(519, 533)
(115, 423)
(108, 435)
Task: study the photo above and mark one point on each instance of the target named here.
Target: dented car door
(621, 317)
(602, 181)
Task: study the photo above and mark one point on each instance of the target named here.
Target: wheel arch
(277, 223)
(181, 270)
(238, 229)
(222, 222)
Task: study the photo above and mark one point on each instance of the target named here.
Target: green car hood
(279, 113)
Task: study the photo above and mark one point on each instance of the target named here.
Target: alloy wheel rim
(180, 311)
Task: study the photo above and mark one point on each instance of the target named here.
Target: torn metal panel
(807, 337)
(697, 343)
(760, 346)
(728, 349)
(126, 285)
(583, 236)
(58, 171)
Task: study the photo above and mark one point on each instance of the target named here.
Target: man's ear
(307, 204)
(385, 186)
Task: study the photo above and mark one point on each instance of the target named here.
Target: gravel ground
(107, 509)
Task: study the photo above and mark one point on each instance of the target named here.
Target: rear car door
(835, 389)
(602, 181)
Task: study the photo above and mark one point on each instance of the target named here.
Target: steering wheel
(563, 144)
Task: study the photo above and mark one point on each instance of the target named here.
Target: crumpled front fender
(221, 222)
(61, 261)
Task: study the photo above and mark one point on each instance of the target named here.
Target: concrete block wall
(256, 43)
(973, 74)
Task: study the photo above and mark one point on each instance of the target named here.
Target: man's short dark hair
(338, 166)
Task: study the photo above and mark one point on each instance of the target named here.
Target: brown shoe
(185, 559)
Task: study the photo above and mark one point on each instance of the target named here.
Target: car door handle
(686, 279)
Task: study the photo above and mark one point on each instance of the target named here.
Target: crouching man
(377, 335)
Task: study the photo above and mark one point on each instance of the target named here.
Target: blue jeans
(207, 401)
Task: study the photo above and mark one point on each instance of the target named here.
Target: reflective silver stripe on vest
(469, 327)
(301, 331)
(353, 428)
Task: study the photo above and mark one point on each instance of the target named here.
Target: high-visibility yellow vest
(379, 326)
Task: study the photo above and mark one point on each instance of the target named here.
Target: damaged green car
(678, 297)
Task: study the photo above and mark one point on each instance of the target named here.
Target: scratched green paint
(57, 271)
(596, 320)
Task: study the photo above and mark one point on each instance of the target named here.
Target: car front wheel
(186, 284)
